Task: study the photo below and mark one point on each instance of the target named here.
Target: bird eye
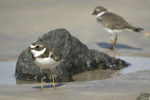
(37, 46)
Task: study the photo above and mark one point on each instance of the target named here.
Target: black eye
(37, 46)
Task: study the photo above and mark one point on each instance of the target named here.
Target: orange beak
(30, 50)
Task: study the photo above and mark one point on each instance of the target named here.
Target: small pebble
(147, 34)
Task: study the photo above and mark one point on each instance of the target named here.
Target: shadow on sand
(49, 86)
(117, 46)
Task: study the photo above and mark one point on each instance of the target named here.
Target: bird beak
(93, 13)
(29, 50)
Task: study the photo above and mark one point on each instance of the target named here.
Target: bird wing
(113, 21)
(55, 56)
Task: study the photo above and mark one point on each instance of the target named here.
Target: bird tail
(138, 29)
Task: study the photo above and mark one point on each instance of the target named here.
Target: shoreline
(7, 59)
(96, 74)
(123, 87)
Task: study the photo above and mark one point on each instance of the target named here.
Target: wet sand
(22, 22)
(125, 87)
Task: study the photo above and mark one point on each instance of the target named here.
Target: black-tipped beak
(30, 50)
(93, 13)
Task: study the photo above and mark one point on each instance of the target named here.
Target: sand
(124, 87)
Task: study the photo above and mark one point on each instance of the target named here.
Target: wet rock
(78, 58)
(144, 96)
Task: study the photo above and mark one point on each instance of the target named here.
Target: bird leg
(42, 88)
(53, 82)
(116, 38)
(113, 43)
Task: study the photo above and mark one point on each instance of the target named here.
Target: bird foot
(111, 48)
(42, 88)
(53, 88)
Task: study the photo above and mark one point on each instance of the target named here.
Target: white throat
(38, 53)
(100, 14)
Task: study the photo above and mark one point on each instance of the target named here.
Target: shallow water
(137, 64)
(7, 71)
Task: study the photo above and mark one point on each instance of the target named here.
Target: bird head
(37, 48)
(98, 10)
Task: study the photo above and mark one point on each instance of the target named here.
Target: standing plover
(112, 23)
(44, 58)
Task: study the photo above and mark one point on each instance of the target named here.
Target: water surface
(7, 71)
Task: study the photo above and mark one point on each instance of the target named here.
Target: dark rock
(144, 96)
(78, 58)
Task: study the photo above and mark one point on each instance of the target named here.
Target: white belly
(46, 63)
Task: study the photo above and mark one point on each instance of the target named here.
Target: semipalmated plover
(112, 23)
(44, 58)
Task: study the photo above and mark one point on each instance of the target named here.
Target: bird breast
(46, 63)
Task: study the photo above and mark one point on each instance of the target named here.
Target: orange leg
(53, 82)
(113, 43)
(42, 88)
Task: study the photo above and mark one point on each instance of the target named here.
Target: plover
(113, 23)
(45, 59)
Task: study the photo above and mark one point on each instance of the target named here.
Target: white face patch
(97, 10)
(38, 53)
(40, 46)
(32, 46)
